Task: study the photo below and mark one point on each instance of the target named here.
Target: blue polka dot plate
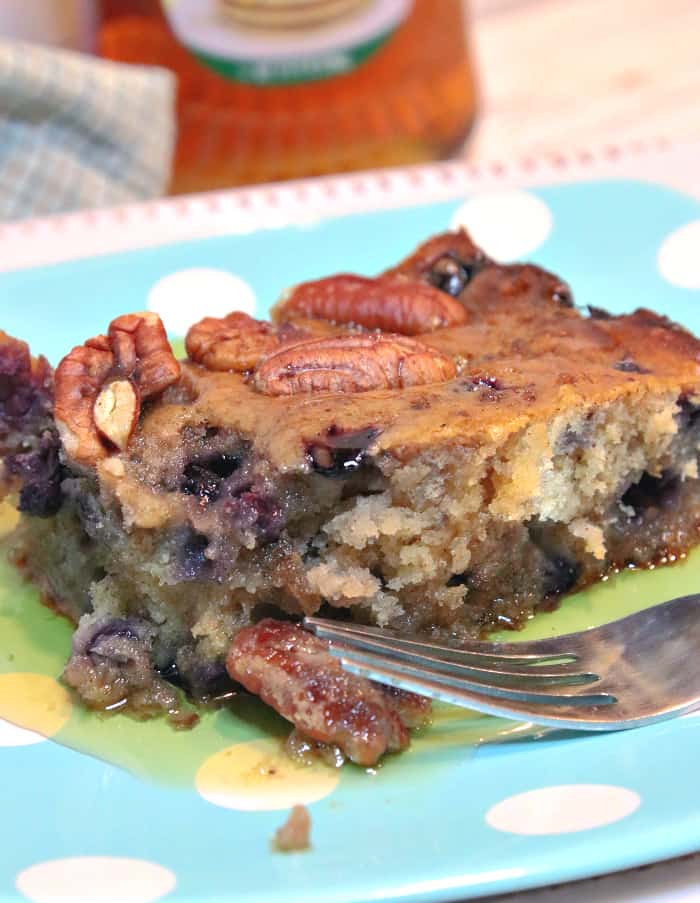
(109, 808)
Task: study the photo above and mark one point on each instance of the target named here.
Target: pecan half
(235, 342)
(352, 363)
(389, 303)
(99, 386)
(142, 352)
(293, 671)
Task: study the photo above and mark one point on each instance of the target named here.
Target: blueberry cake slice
(442, 449)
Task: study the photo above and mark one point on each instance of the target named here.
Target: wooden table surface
(563, 75)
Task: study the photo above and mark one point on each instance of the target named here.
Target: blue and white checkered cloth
(79, 132)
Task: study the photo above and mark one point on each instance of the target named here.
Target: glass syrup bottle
(280, 89)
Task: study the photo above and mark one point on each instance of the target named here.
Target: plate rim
(237, 211)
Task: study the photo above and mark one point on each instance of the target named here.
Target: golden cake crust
(517, 366)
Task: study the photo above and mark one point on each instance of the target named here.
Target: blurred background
(106, 101)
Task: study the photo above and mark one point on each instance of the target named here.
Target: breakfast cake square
(440, 450)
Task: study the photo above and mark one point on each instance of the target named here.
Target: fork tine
(372, 650)
(430, 682)
(490, 654)
(566, 716)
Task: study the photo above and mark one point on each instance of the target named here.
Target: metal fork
(628, 673)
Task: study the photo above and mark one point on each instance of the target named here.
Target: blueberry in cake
(441, 450)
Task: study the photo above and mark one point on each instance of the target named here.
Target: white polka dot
(679, 256)
(506, 224)
(259, 775)
(184, 297)
(12, 735)
(98, 879)
(563, 809)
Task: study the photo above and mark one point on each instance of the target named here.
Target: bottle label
(278, 42)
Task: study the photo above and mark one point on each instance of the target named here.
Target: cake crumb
(592, 536)
(690, 470)
(294, 834)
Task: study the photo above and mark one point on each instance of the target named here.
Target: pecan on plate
(352, 363)
(389, 303)
(99, 386)
(293, 671)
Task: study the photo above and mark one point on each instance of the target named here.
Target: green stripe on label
(294, 70)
